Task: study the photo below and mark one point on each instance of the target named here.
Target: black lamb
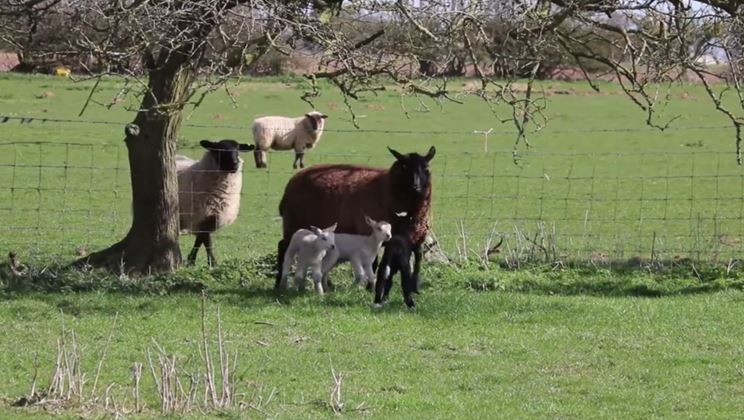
(397, 258)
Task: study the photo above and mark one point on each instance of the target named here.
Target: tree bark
(152, 242)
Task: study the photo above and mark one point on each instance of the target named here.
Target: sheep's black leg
(418, 255)
(280, 251)
(257, 158)
(299, 160)
(374, 265)
(205, 229)
(195, 249)
(211, 260)
(407, 281)
(260, 156)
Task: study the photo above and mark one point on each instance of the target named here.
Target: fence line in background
(478, 132)
(58, 198)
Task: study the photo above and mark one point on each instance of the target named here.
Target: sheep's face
(317, 120)
(326, 238)
(412, 171)
(381, 230)
(226, 153)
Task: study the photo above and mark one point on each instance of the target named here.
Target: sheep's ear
(324, 116)
(315, 230)
(369, 221)
(429, 156)
(395, 153)
(207, 144)
(246, 147)
(331, 228)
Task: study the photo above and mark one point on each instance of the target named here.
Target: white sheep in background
(285, 133)
(209, 192)
(308, 246)
(359, 250)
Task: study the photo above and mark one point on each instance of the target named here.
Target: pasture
(596, 181)
(542, 341)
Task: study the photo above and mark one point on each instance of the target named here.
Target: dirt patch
(45, 94)
(376, 107)
(333, 106)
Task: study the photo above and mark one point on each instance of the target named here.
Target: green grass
(614, 194)
(462, 353)
(573, 340)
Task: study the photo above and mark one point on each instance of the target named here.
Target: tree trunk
(152, 242)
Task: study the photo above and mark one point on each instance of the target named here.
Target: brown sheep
(324, 194)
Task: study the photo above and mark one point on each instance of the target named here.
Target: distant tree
(28, 28)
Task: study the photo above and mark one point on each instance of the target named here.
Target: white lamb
(209, 192)
(285, 133)
(359, 250)
(308, 247)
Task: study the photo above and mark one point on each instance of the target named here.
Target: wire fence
(62, 199)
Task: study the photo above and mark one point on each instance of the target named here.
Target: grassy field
(543, 341)
(611, 194)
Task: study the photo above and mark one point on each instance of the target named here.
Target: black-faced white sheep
(359, 250)
(396, 259)
(308, 247)
(284, 133)
(323, 194)
(209, 192)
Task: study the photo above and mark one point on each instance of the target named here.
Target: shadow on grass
(250, 282)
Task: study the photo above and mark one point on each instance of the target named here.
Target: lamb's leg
(407, 281)
(369, 275)
(358, 269)
(329, 261)
(286, 266)
(382, 276)
(300, 274)
(318, 279)
(393, 270)
(418, 255)
(195, 249)
(281, 250)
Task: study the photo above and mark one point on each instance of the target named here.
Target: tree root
(128, 256)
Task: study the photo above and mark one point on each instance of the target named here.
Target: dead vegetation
(181, 385)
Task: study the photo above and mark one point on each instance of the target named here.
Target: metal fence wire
(61, 199)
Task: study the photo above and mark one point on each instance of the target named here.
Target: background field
(542, 341)
(597, 180)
